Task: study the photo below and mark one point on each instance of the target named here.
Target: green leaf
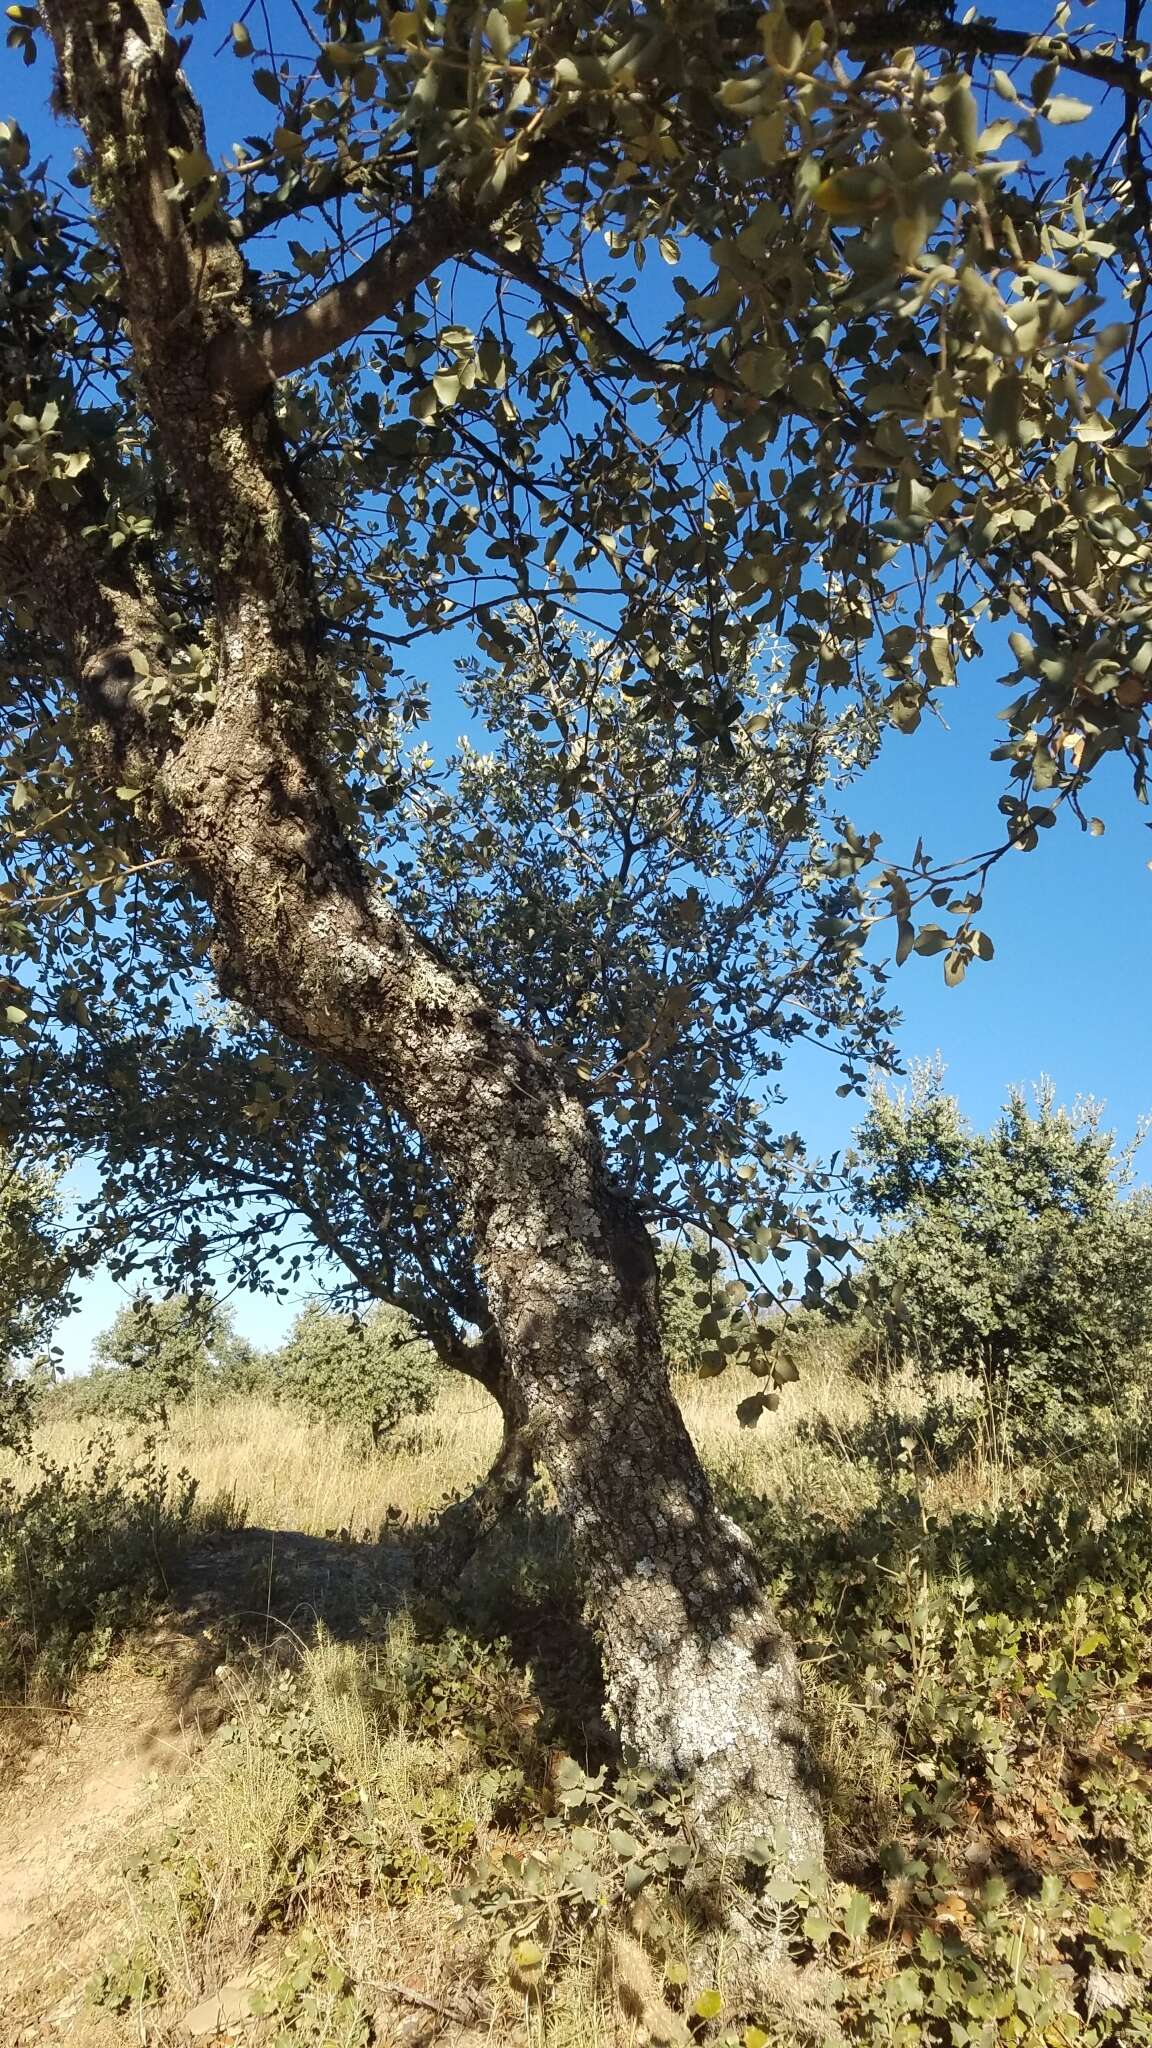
(241, 40)
(498, 33)
(708, 2005)
(192, 167)
(857, 1916)
(1062, 111)
(962, 117)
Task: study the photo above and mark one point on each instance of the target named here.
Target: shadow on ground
(247, 1592)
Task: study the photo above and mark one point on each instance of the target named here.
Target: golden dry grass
(283, 1470)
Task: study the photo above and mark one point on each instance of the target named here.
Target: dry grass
(247, 1809)
(284, 1471)
(279, 1469)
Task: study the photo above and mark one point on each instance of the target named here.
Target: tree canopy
(662, 934)
(887, 343)
(158, 1352)
(370, 1373)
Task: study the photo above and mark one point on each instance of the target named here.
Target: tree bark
(465, 1525)
(700, 1676)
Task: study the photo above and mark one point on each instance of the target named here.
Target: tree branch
(633, 355)
(448, 224)
(876, 32)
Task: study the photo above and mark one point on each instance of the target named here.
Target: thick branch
(448, 224)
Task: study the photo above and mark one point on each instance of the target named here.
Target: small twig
(418, 1998)
(29, 1707)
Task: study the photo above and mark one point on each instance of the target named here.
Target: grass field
(292, 1778)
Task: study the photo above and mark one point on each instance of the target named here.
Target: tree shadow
(261, 1593)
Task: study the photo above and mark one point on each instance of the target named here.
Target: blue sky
(1069, 991)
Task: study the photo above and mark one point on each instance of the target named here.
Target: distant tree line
(1019, 1259)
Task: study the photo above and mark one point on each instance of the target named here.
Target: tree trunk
(241, 794)
(464, 1525)
(700, 1676)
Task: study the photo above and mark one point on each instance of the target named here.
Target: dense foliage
(1016, 1256)
(369, 1373)
(35, 1273)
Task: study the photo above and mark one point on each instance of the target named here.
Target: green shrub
(159, 1353)
(34, 1289)
(84, 1553)
(370, 1372)
(1014, 1257)
(706, 1323)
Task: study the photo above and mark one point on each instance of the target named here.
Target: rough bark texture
(464, 1526)
(700, 1676)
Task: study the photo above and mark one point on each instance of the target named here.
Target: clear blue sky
(1069, 991)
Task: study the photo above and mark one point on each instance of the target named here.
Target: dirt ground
(76, 1785)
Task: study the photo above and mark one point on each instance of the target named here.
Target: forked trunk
(464, 1526)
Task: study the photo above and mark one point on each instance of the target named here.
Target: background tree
(35, 1275)
(889, 397)
(1015, 1256)
(159, 1353)
(368, 1373)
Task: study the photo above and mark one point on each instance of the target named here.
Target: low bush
(85, 1552)
(343, 1773)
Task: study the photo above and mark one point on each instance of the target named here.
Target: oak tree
(1020, 1256)
(700, 321)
